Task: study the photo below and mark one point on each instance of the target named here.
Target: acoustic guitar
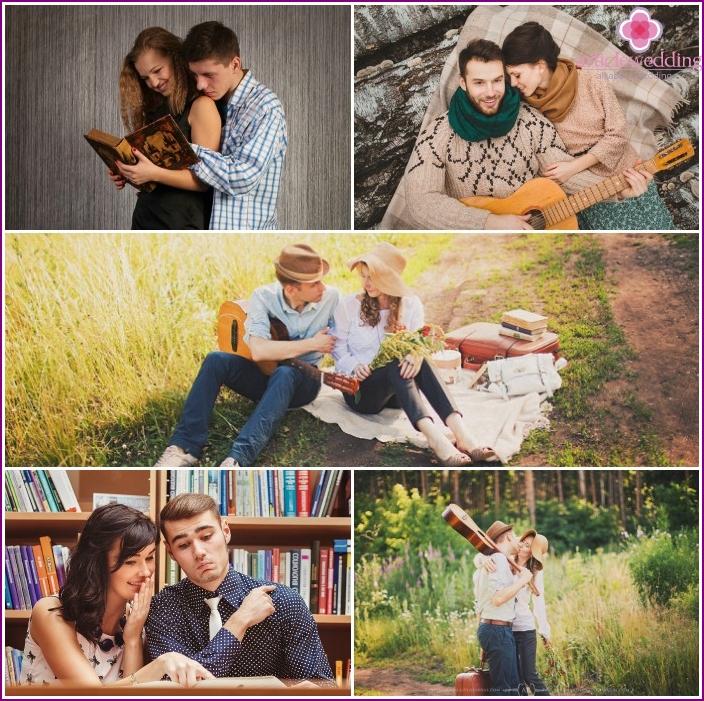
(551, 207)
(465, 526)
(231, 318)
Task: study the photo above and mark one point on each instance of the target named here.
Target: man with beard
(232, 624)
(489, 143)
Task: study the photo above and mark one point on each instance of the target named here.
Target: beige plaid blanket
(648, 103)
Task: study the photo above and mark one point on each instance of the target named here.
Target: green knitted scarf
(472, 125)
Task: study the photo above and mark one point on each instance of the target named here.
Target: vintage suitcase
(475, 681)
(482, 341)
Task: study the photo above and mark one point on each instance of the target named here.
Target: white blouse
(357, 342)
(107, 665)
(525, 619)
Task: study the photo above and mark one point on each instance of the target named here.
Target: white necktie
(214, 622)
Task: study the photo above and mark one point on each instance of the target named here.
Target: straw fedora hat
(301, 263)
(385, 264)
(497, 528)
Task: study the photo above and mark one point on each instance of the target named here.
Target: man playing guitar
(305, 306)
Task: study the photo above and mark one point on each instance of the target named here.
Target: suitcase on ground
(475, 681)
(481, 341)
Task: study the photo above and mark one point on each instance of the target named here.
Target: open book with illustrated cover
(162, 142)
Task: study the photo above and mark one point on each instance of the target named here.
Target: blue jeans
(386, 388)
(500, 648)
(526, 644)
(285, 388)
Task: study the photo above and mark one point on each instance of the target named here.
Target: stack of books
(519, 323)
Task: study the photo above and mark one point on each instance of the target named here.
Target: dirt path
(657, 306)
(655, 302)
(392, 682)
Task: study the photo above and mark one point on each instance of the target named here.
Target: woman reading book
(92, 634)
(155, 81)
(585, 111)
(362, 321)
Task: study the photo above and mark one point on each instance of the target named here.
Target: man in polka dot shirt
(267, 630)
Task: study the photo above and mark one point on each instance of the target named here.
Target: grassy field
(105, 333)
(605, 641)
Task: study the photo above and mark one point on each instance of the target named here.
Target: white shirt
(486, 584)
(357, 342)
(525, 619)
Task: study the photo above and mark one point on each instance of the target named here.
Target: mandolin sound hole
(537, 219)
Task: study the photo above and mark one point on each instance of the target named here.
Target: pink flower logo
(639, 29)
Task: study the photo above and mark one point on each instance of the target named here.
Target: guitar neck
(306, 368)
(592, 195)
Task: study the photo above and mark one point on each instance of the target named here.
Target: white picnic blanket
(493, 421)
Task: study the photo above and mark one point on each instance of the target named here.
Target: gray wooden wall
(61, 71)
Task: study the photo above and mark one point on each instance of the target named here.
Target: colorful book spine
(295, 573)
(48, 555)
(304, 585)
(314, 576)
(41, 570)
(290, 501)
(303, 492)
(10, 580)
(48, 491)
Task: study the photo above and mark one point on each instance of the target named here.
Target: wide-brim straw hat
(385, 263)
(498, 528)
(538, 548)
(301, 263)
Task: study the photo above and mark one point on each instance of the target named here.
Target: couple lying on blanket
(318, 321)
(522, 111)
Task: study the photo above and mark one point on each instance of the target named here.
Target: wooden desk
(171, 690)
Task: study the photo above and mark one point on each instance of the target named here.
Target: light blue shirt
(246, 174)
(269, 301)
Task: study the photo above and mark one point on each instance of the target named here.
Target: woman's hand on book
(117, 179)
(144, 171)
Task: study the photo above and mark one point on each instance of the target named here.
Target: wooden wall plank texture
(61, 71)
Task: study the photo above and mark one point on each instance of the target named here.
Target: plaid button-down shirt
(246, 174)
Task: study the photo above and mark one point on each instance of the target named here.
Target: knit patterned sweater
(595, 124)
(444, 168)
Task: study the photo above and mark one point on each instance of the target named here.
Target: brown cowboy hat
(497, 528)
(385, 263)
(301, 263)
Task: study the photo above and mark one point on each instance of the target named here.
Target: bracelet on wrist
(133, 678)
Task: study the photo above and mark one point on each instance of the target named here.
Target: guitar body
(230, 331)
(531, 197)
(231, 318)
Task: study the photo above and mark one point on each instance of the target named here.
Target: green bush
(665, 568)
(577, 525)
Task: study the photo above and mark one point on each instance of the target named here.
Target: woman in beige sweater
(585, 111)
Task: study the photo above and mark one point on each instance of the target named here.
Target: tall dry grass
(104, 331)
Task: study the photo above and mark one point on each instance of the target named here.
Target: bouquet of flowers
(554, 670)
(396, 346)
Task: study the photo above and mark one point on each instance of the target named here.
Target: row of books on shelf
(254, 492)
(33, 572)
(13, 665)
(39, 490)
(519, 323)
(321, 575)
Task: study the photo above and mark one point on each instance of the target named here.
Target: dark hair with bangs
(88, 572)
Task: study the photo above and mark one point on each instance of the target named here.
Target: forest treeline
(578, 509)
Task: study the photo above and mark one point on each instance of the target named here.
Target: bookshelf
(247, 532)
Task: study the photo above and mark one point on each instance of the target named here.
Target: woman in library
(155, 81)
(92, 634)
(386, 305)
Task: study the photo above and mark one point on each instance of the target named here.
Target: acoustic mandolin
(231, 318)
(551, 207)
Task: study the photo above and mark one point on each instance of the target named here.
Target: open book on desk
(162, 142)
(227, 683)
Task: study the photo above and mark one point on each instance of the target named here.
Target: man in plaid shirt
(246, 174)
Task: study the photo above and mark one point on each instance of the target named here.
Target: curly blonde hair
(370, 313)
(136, 98)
